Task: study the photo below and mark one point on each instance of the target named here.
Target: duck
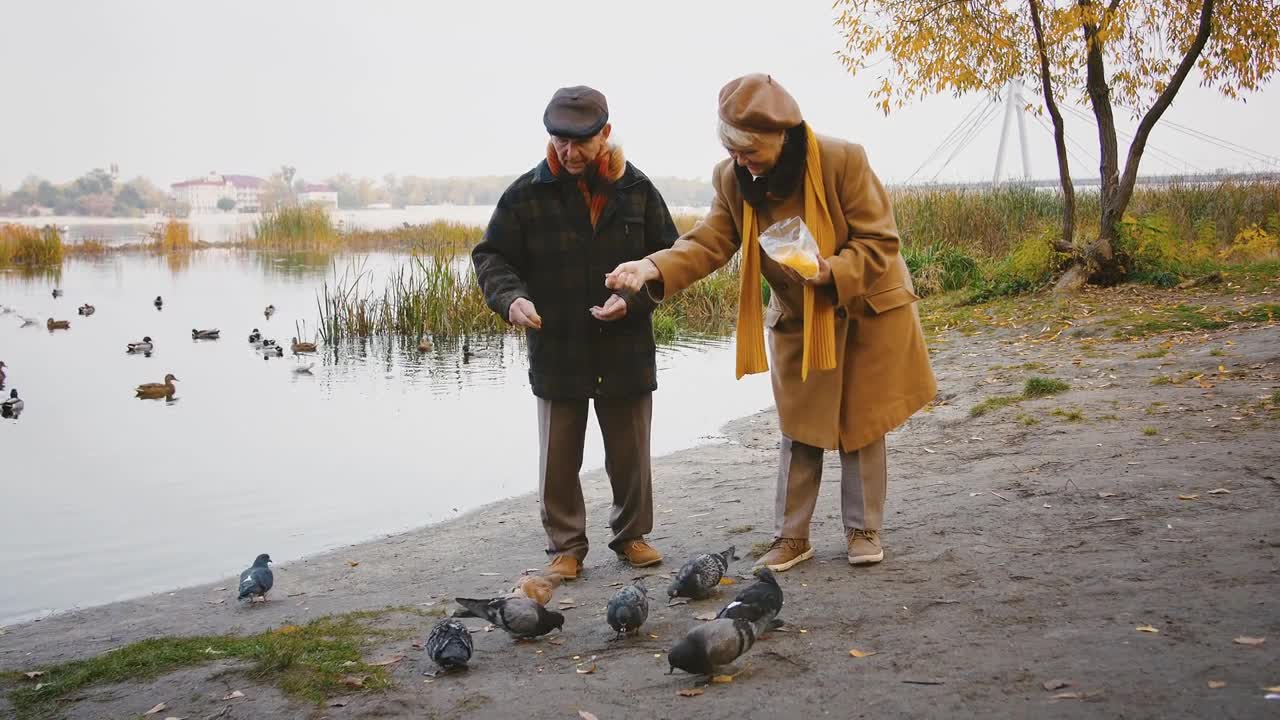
(13, 405)
(272, 350)
(58, 324)
(271, 310)
(304, 368)
(159, 303)
(424, 345)
(302, 347)
(2, 375)
(145, 346)
(255, 337)
(57, 293)
(205, 334)
(27, 321)
(158, 390)
(87, 310)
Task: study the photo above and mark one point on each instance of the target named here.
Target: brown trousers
(624, 425)
(863, 485)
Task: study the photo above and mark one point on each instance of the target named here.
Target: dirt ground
(1024, 546)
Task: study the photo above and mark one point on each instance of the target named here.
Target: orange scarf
(605, 171)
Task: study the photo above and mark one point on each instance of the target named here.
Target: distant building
(202, 194)
(323, 195)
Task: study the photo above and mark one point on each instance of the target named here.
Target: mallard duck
(302, 347)
(272, 350)
(2, 375)
(255, 337)
(271, 310)
(87, 310)
(158, 390)
(58, 324)
(57, 293)
(424, 345)
(145, 346)
(205, 334)
(159, 302)
(13, 405)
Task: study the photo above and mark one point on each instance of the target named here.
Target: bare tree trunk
(1066, 243)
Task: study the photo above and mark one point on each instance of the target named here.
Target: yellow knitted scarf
(819, 315)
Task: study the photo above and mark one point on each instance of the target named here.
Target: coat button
(842, 313)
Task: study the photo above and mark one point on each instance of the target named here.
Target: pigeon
(449, 644)
(255, 337)
(759, 602)
(701, 575)
(12, 407)
(629, 608)
(521, 617)
(256, 580)
(712, 645)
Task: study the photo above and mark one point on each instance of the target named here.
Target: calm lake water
(107, 497)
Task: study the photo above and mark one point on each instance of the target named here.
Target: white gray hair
(736, 138)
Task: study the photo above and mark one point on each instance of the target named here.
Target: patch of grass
(1036, 387)
(761, 548)
(306, 661)
(1109, 416)
(1217, 352)
(1156, 353)
(1072, 415)
(995, 402)
(1153, 407)
(1275, 398)
(741, 529)
(1187, 317)
(25, 246)
(1150, 431)
(1162, 380)
(86, 247)
(1026, 419)
(174, 236)
(295, 228)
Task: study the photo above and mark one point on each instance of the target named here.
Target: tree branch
(1163, 102)
(1064, 244)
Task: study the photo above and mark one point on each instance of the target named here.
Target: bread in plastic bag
(790, 243)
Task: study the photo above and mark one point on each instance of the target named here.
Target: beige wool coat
(882, 374)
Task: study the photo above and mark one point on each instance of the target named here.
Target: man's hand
(523, 314)
(615, 308)
(631, 276)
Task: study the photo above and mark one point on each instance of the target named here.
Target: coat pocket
(772, 316)
(886, 300)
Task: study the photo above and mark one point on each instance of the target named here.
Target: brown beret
(757, 103)
(576, 112)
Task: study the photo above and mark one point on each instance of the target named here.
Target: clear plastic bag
(790, 243)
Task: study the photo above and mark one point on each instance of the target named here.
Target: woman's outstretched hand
(631, 276)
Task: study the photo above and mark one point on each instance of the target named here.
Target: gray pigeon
(760, 602)
(256, 580)
(712, 645)
(629, 608)
(521, 617)
(449, 645)
(701, 575)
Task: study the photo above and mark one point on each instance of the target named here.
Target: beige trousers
(863, 485)
(625, 426)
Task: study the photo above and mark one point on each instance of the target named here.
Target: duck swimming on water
(145, 346)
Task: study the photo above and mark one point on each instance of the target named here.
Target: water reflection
(377, 437)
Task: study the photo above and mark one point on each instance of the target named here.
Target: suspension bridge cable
(946, 141)
(975, 130)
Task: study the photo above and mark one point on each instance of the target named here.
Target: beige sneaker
(864, 546)
(566, 566)
(785, 553)
(639, 553)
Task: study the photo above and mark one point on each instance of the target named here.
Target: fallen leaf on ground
(175, 718)
(931, 452)
(652, 636)
(1146, 629)
(350, 663)
(586, 715)
(387, 661)
(1052, 685)
(219, 589)
(210, 651)
(727, 581)
(689, 692)
(288, 629)
(488, 574)
(1275, 689)
(41, 685)
(1220, 491)
(568, 601)
(158, 708)
(34, 674)
(353, 563)
(556, 641)
(1069, 696)
(678, 601)
(1217, 684)
(721, 679)
(585, 669)
(352, 681)
(234, 695)
(1106, 494)
(1188, 497)
(1245, 640)
(705, 616)
(861, 653)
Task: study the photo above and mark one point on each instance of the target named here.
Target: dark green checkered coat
(540, 245)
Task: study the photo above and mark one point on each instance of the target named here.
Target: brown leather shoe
(564, 565)
(785, 553)
(864, 546)
(639, 553)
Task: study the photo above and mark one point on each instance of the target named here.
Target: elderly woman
(849, 358)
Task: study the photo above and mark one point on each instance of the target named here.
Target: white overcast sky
(171, 89)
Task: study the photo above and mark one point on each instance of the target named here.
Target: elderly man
(555, 233)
